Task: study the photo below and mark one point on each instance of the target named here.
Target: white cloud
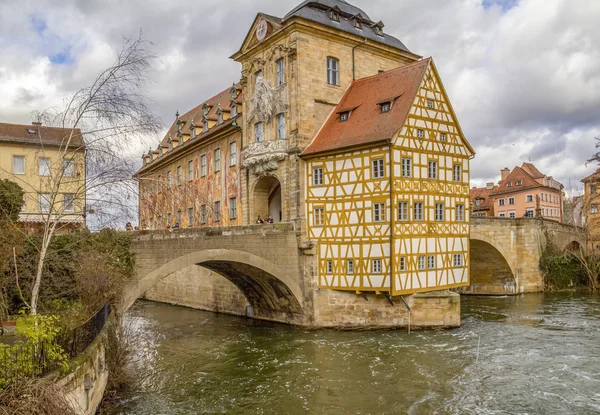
(523, 76)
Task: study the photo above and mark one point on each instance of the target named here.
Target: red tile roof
(40, 135)
(481, 193)
(522, 174)
(366, 124)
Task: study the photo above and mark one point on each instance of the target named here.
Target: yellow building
(51, 173)
(387, 190)
(333, 111)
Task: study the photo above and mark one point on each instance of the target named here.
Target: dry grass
(36, 397)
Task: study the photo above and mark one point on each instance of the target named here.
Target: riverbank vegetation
(562, 271)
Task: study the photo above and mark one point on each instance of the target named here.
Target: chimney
(489, 186)
(504, 173)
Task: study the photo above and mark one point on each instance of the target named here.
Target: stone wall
(199, 288)
(85, 381)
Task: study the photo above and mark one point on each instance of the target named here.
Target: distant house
(526, 192)
(591, 204)
(51, 173)
(481, 202)
(574, 211)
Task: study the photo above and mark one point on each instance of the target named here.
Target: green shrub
(562, 271)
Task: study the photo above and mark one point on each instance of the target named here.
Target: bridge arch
(271, 292)
(573, 246)
(491, 272)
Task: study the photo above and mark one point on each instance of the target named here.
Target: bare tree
(101, 122)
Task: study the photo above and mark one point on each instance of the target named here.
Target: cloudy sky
(523, 75)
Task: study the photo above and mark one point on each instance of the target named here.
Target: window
(217, 160)
(217, 211)
(377, 266)
(190, 217)
(319, 217)
(190, 170)
(318, 177)
(594, 208)
(68, 168)
(280, 65)
(593, 188)
(502, 214)
(344, 116)
(433, 173)
(350, 266)
(169, 179)
(179, 219)
(403, 211)
(386, 107)
(478, 202)
(203, 214)
(529, 213)
(512, 214)
(280, 126)
(378, 212)
(457, 173)
(233, 208)
(232, 154)
(439, 212)
(330, 267)
(205, 126)
(406, 167)
(234, 112)
(501, 202)
(511, 200)
(220, 117)
(378, 171)
(179, 175)
(529, 198)
(44, 166)
(258, 132)
(333, 68)
(160, 184)
(443, 137)
(44, 202)
(431, 262)
(402, 263)
(509, 184)
(460, 213)
(334, 15)
(458, 260)
(430, 103)
(422, 262)
(69, 202)
(519, 182)
(418, 211)
(18, 165)
(168, 219)
(203, 165)
(420, 133)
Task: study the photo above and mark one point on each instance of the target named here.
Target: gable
(273, 24)
(433, 128)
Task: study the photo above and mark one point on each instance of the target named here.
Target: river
(532, 354)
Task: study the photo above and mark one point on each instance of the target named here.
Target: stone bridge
(505, 253)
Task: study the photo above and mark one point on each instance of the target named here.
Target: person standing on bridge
(259, 220)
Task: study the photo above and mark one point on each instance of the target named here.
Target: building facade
(50, 166)
(591, 206)
(526, 192)
(482, 204)
(300, 74)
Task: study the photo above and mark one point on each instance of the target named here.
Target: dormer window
(205, 110)
(357, 24)
(334, 15)
(519, 182)
(31, 131)
(234, 112)
(344, 116)
(192, 130)
(220, 117)
(205, 125)
(379, 29)
(509, 184)
(386, 107)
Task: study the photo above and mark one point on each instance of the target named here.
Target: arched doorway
(266, 199)
(490, 272)
(573, 246)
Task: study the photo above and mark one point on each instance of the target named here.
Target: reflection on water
(538, 354)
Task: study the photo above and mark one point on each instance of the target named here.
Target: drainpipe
(353, 60)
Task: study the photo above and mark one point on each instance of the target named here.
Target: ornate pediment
(262, 159)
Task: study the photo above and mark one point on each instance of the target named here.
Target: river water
(532, 354)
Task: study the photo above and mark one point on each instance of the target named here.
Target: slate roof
(366, 124)
(39, 135)
(316, 11)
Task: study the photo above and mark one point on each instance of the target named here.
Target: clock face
(261, 30)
